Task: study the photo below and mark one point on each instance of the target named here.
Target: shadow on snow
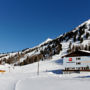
(60, 61)
(56, 71)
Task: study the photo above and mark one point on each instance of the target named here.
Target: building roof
(78, 53)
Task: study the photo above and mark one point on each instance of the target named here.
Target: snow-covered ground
(53, 83)
(49, 78)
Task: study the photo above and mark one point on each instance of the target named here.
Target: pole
(38, 68)
(9, 68)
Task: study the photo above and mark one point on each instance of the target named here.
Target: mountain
(46, 41)
(77, 39)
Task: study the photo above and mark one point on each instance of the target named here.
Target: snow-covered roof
(85, 51)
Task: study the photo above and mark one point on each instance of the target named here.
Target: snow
(86, 22)
(46, 41)
(86, 42)
(85, 51)
(26, 78)
(52, 83)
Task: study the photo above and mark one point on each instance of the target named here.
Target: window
(78, 63)
(78, 58)
(77, 68)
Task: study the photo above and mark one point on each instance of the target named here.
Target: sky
(26, 23)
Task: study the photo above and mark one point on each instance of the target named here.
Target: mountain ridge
(65, 43)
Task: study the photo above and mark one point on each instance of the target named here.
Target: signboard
(70, 59)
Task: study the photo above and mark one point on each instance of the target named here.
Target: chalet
(77, 61)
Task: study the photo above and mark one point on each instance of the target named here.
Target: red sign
(70, 59)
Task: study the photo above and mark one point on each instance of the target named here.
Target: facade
(78, 60)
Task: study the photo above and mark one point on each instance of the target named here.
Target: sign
(70, 59)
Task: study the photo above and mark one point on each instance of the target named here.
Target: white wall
(85, 61)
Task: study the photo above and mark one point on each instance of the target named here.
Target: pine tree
(81, 40)
(70, 44)
(74, 39)
(87, 35)
(86, 47)
(89, 48)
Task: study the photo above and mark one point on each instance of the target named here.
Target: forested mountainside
(77, 39)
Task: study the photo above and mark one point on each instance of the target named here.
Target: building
(77, 61)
